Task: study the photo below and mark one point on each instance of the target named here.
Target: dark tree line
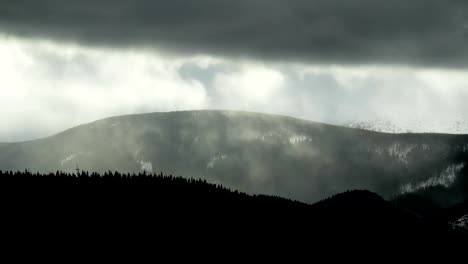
(147, 199)
(141, 188)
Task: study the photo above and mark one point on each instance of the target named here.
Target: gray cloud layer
(49, 86)
(415, 32)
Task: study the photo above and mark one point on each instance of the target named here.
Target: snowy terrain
(461, 223)
(446, 179)
(410, 126)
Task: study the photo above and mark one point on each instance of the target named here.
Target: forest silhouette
(147, 199)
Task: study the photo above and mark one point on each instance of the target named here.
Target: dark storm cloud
(421, 32)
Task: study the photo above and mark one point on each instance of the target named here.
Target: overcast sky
(66, 62)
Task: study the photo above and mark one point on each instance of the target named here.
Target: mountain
(254, 153)
(459, 126)
(378, 125)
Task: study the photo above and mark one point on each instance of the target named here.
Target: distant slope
(255, 153)
(382, 125)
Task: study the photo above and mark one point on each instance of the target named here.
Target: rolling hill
(255, 153)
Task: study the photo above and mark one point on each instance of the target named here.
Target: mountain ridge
(255, 153)
(348, 125)
(387, 126)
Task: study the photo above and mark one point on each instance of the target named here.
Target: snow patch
(446, 178)
(387, 125)
(146, 166)
(378, 125)
(215, 159)
(378, 150)
(461, 223)
(270, 136)
(255, 135)
(465, 148)
(426, 147)
(69, 158)
(295, 139)
(397, 151)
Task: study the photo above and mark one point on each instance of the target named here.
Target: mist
(60, 85)
(341, 117)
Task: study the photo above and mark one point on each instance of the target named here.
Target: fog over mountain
(260, 104)
(256, 153)
(64, 63)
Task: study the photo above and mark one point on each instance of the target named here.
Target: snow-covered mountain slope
(251, 152)
(461, 223)
(387, 126)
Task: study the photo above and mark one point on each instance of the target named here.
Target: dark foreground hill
(256, 153)
(157, 204)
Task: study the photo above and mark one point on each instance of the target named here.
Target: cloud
(414, 32)
(253, 85)
(48, 86)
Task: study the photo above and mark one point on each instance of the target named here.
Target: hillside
(254, 153)
(148, 199)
